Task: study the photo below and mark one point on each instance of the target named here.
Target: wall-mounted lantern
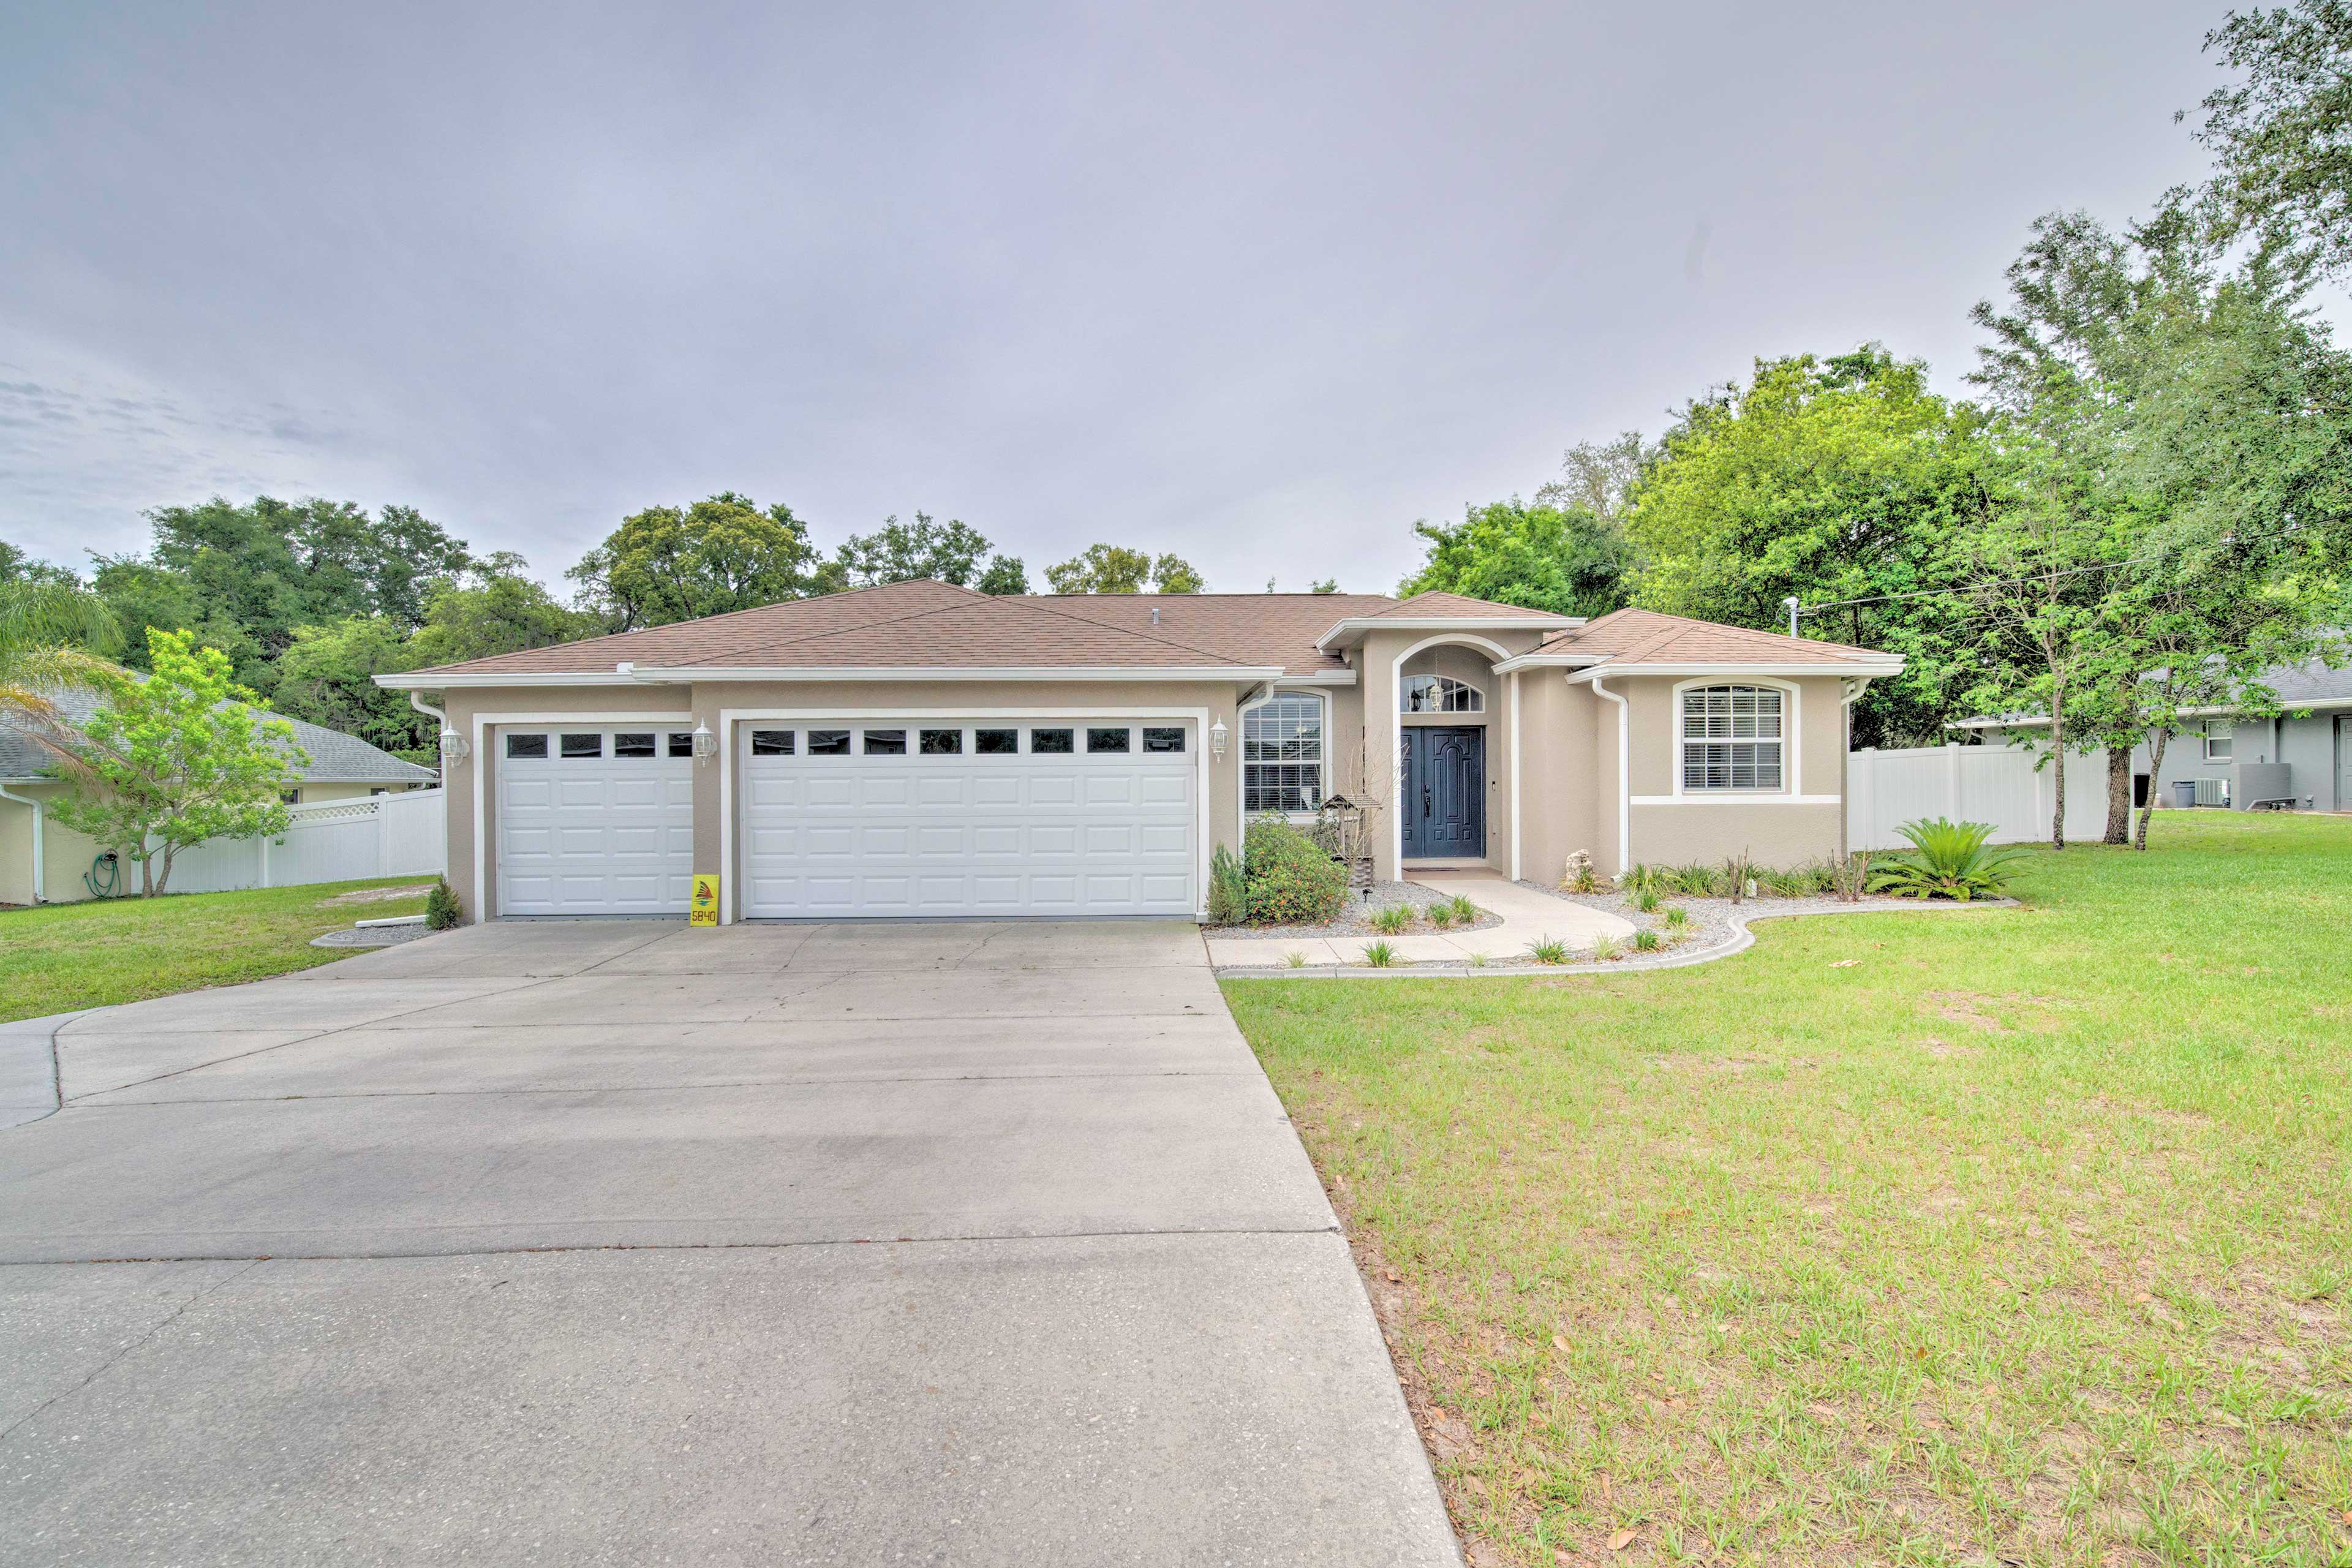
(454, 746)
(706, 744)
(1217, 738)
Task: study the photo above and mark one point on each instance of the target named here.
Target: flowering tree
(178, 758)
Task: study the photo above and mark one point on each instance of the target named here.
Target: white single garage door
(595, 821)
(862, 818)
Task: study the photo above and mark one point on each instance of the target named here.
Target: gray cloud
(1258, 285)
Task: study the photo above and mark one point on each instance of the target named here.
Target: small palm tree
(47, 630)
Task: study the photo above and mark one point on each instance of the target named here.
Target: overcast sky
(1259, 284)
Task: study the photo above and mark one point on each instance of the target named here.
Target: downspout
(40, 882)
(1854, 690)
(440, 755)
(1625, 772)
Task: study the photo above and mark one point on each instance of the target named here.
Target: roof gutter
(683, 675)
(1342, 628)
(40, 881)
(1550, 661)
(441, 738)
(1872, 668)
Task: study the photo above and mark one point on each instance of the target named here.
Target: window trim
(1792, 733)
(1405, 683)
(2228, 739)
(1323, 763)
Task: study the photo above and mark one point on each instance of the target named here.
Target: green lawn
(2003, 1236)
(59, 957)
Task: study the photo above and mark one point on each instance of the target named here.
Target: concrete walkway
(1527, 916)
(614, 1242)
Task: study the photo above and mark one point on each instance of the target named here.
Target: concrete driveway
(617, 1242)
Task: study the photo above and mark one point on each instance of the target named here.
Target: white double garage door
(861, 818)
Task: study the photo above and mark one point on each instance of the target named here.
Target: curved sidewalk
(1527, 916)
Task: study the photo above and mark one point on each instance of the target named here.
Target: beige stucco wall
(1778, 829)
(1461, 655)
(65, 853)
(1568, 762)
(1562, 768)
(710, 704)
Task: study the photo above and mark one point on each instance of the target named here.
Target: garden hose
(104, 877)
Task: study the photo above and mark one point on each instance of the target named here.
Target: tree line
(2145, 502)
(308, 601)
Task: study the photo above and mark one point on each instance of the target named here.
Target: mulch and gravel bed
(1355, 918)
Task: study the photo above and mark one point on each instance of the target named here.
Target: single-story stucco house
(42, 862)
(2299, 757)
(923, 750)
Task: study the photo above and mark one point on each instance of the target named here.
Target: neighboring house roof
(924, 628)
(2309, 685)
(335, 757)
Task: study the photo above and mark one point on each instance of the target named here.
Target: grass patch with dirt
(57, 958)
(2015, 1235)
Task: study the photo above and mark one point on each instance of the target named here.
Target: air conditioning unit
(2213, 792)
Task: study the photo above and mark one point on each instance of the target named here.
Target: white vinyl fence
(334, 841)
(2000, 785)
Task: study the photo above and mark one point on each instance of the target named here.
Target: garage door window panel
(582, 748)
(828, 743)
(1052, 743)
(941, 742)
(885, 743)
(527, 747)
(996, 742)
(1106, 742)
(771, 742)
(634, 744)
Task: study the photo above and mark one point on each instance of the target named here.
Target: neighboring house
(2301, 756)
(921, 750)
(342, 767)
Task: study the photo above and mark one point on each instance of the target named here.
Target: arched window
(1731, 736)
(1282, 754)
(1439, 694)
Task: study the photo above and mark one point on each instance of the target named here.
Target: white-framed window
(1732, 737)
(2218, 734)
(1439, 694)
(1283, 753)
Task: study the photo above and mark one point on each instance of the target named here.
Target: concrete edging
(1741, 940)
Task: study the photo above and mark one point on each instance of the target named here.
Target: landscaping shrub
(1290, 881)
(1463, 912)
(1392, 919)
(441, 909)
(1548, 950)
(1228, 888)
(1647, 942)
(1946, 860)
(1380, 955)
(1850, 878)
(1696, 880)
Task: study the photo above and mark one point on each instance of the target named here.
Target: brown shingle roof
(1647, 637)
(918, 624)
(1436, 605)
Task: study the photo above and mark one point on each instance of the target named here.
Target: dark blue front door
(1444, 794)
